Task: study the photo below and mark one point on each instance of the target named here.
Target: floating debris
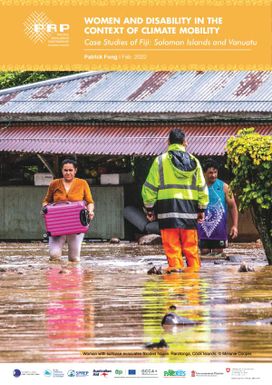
(174, 319)
(155, 270)
(157, 345)
(244, 268)
(115, 240)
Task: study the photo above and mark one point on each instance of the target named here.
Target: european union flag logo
(131, 372)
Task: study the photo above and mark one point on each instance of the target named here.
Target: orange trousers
(178, 242)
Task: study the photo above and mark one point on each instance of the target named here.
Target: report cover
(104, 82)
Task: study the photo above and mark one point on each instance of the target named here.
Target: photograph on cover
(141, 289)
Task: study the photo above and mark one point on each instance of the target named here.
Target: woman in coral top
(68, 188)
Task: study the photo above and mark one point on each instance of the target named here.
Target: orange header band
(136, 35)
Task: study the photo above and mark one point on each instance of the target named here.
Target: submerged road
(107, 308)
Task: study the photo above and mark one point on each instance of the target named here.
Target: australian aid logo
(40, 29)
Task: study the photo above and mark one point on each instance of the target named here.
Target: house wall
(246, 230)
(20, 212)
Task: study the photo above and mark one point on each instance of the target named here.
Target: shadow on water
(109, 307)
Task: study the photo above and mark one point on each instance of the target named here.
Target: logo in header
(40, 29)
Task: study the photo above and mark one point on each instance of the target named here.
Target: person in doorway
(212, 231)
(177, 186)
(68, 188)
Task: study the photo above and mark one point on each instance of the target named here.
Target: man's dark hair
(210, 163)
(68, 160)
(176, 135)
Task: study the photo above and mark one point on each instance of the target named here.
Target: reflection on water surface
(54, 311)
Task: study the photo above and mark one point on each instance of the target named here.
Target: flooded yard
(107, 306)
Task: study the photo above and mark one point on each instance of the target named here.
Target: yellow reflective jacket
(177, 184)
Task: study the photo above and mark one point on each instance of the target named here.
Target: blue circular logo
(71, 373)
(16, 373)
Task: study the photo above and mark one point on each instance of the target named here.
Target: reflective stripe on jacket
(179, 189)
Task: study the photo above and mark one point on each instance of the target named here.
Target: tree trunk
(263, 222)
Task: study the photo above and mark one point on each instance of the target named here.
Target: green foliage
(249, 159)
(13, 79)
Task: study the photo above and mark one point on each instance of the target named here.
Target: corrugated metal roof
(116, 139)
(147, 92)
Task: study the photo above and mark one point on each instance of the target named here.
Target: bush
(249, 157)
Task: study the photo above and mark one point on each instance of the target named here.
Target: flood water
(107, 308)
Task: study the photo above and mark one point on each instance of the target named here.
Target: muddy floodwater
(107, 308)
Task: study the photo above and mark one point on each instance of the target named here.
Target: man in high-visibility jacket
(177, 186)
